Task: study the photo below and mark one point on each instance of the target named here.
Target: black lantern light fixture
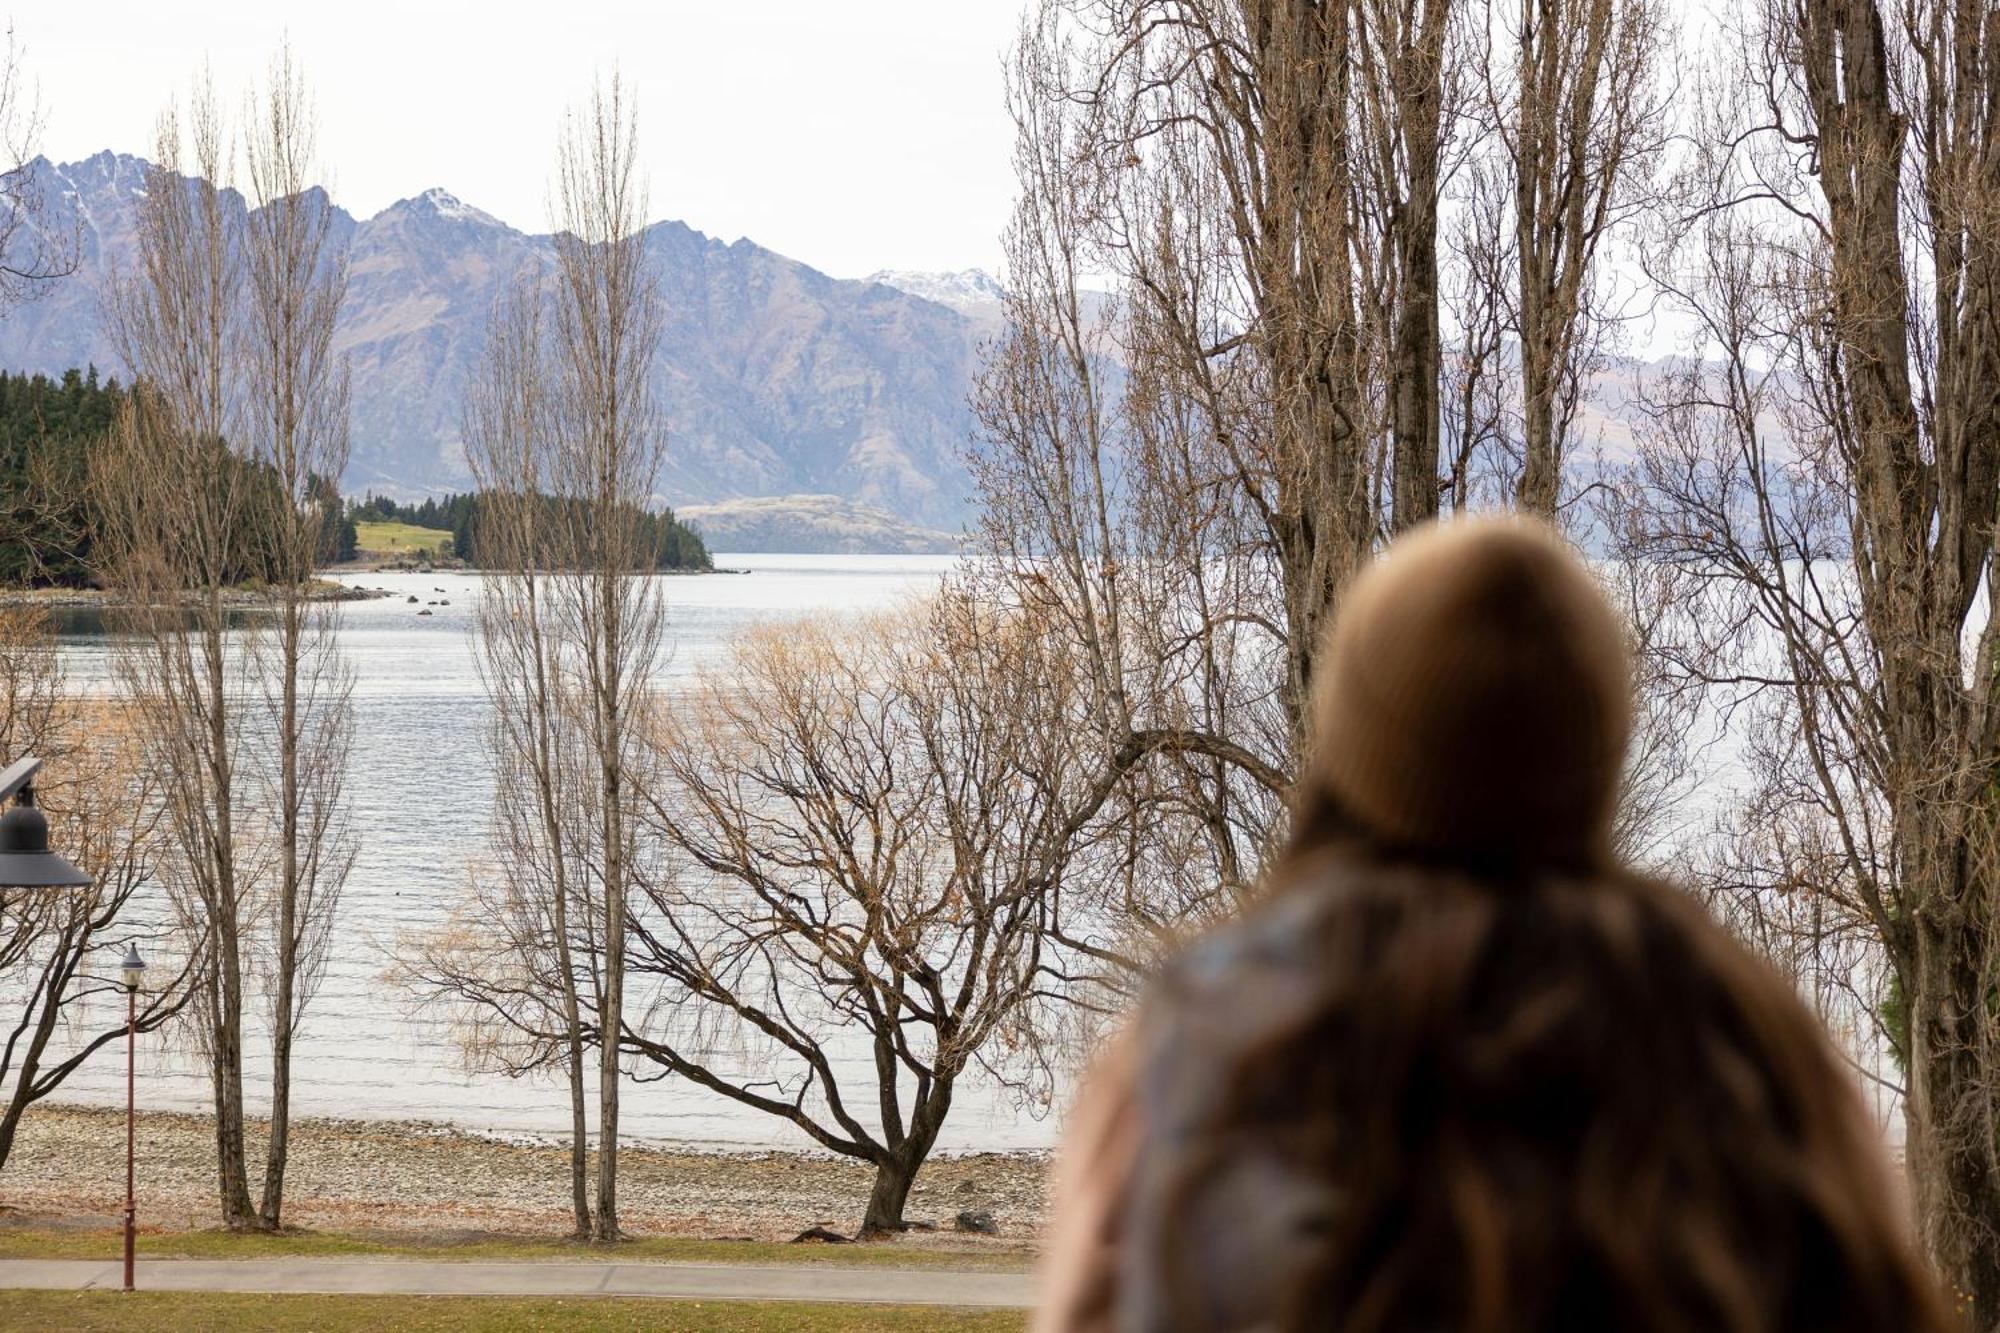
(25, 859)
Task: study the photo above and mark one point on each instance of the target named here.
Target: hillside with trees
(47, 427)
(664, 541)
(51, 518)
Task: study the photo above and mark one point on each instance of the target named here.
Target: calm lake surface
(421, 797)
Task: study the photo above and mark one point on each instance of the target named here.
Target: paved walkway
(708, 1282)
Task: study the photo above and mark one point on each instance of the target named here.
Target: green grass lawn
(106, 1243)
(120, 1312)
(398, 538)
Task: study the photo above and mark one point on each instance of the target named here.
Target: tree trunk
(1927, 528)
(281, 1108)
(9, 1122)
(226, 1006)
(613, 999)
(515, 531)
(895, 1173)
(288, 910)
(1952, 1145)
(579, 1142)
(896, 1169)
(1541, 471)
(606, 1226)
(24, 1082)
(1416, 384)
(579, 1123)
(1301, 260)
(226, 1038)
(1538, 490)
(1416, 356)
(232, 1176)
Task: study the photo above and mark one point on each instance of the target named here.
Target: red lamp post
(133, 969)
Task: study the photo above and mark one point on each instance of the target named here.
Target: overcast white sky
(851, 134)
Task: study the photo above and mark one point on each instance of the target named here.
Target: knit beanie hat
(1474, 698)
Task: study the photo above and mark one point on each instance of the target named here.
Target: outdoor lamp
(25, 859)
(133, 969)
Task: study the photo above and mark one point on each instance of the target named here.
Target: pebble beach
(69, 1162)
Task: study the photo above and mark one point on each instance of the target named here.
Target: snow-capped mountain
(971, 291)
(775, 379)
(448, 205)
(980, 297)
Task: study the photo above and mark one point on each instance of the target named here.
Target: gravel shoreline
(108, 599)
(69, 1161)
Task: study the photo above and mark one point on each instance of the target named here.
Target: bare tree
(1258, 180)
(526, 673)
(1255, 275)
(1481, 365)
(862, 828)
(1282, 199)
(1409, 98)
(565, 439)
(33, 253)
(54, 968)
(295, 422)
(1823, 472)
(514, 992)
(176, 496)
(1136, 469)
(1581, 116)
(1184, 473)
(604, 459)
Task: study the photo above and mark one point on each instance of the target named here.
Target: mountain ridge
(774, 378)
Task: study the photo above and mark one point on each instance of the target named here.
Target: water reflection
(101, 622)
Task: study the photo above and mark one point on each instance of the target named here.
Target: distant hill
(811, 523)
(776, 379)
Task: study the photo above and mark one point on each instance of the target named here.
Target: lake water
(420, 799)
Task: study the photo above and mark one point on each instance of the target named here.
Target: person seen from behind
(1461, 1070)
